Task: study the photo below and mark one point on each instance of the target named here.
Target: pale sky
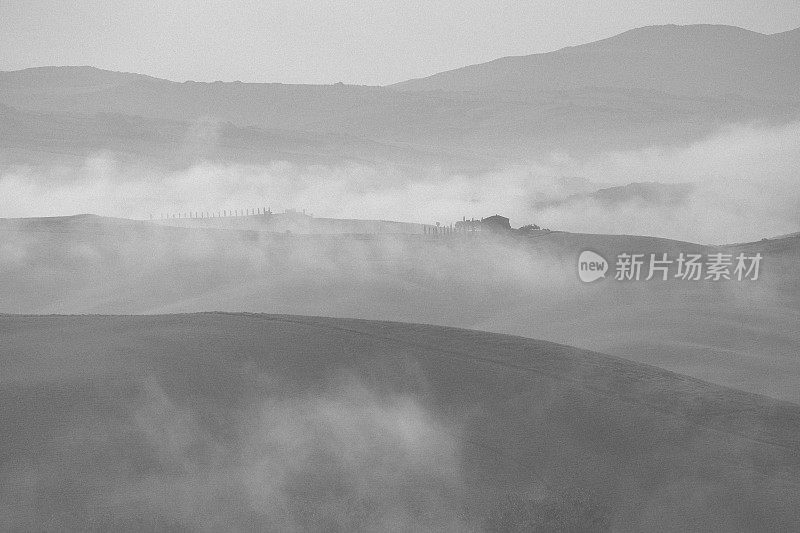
(315, 41)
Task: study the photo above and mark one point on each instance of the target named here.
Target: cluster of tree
(529, 228)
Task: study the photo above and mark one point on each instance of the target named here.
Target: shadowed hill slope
(235, 421)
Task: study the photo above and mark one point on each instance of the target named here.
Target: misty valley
(548, 292)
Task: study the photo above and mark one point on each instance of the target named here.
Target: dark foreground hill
(265, 422)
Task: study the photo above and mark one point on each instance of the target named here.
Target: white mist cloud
(342, 459)
(745, 188)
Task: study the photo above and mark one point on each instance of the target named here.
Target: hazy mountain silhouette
(664, 194)
(696, 61)
(33, 137)
(651, 86)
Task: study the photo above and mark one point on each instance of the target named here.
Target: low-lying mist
(744, 188)
(239, 422)
(727, 332)
(343, 459)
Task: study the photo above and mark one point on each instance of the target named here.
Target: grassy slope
(132, 422)
(742, 335)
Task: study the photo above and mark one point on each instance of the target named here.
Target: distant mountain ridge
(663, 194)
(696, 60)
(684, 60)
(655, 86)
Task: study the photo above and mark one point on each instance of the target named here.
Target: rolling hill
(661, 194)
(240, 421)
(292, 373)
(738, 334)
(663, 86)
(35, 138)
